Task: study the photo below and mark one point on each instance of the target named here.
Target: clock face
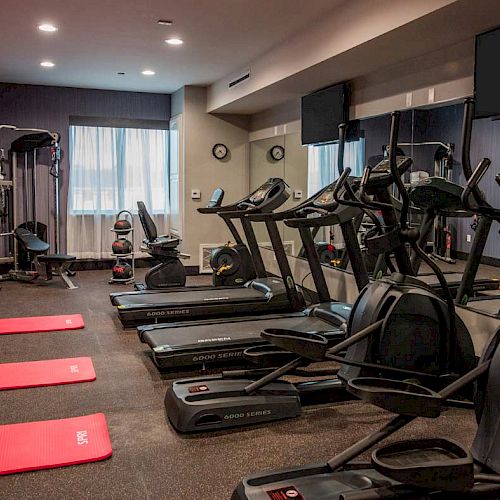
(220, 151)
(277, 153)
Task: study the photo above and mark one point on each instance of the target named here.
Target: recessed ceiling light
(165, 22)
(148, 72)
(47, 64)
(50, 28)
(174, 41)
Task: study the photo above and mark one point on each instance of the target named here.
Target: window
(113, 168)
(323, 167)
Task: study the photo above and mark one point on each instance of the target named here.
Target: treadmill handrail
(277, 216)
(216, 210)
(329, 219)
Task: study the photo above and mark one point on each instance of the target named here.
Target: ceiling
(402, 52)
(99, 38)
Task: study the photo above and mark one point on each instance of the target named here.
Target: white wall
(204, 172)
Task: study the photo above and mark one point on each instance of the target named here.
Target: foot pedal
(435, 464)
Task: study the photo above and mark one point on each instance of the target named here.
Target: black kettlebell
(123, 225)
(121, 246)
(122, 270)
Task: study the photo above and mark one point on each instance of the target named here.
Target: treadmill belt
(193, 297)
(451, 278)
(487, 305)
(214, 334)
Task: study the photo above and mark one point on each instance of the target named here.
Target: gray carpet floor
(150, 460)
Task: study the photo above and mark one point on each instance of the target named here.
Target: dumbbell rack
(129, 256)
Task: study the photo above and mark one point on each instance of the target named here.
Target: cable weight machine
(29, 237)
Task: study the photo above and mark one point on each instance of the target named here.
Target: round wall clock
(220, 151)
(277, 153)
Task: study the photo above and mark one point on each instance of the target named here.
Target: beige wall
(293, 169)
(202, 171)
(296, 176)
(261, 167)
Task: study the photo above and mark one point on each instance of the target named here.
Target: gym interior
(250, 249)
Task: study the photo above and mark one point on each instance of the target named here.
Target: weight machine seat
(56, 258)
(30, 241)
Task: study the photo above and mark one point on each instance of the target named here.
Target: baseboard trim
(103, 264)
(489, 261)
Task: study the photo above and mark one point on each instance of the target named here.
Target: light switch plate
(297, 194)
(195, 194)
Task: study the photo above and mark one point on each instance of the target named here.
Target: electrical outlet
(469, 238)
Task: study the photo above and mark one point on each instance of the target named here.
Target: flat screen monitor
(487, 74)
(322, 113)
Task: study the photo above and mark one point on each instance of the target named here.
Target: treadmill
(218, 341)
(263, 294)
(223, 340)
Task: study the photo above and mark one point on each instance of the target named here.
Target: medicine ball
(121, 246)
(122, 271)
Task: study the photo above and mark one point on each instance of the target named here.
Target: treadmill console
(325, 199)
(273, 193)
(381, 176)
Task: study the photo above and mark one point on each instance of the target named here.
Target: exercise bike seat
(30, 241)
(164, 242)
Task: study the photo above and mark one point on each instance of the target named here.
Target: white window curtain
(322, 168)
(111, 169)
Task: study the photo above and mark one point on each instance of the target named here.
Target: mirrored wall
(431, 136)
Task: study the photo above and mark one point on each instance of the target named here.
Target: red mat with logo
(47, 372)
(53, 443)
(41, 324)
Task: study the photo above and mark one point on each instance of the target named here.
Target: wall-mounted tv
(322, 112)
(487, 74)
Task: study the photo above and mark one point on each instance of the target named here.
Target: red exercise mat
(48, 372)
(53, 443)
(41, 324)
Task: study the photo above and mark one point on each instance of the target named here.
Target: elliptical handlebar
(341, 148)
(483, 207)
(393, 143)
(469, 107)
(466, 136)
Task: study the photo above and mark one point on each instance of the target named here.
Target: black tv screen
(322, 113)
(487, 74)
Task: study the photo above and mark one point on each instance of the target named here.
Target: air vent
(240, 79)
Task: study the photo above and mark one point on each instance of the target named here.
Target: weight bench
(60, 263)
(53, 263)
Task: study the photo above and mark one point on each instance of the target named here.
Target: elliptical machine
(398, 325)
(421, 468)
